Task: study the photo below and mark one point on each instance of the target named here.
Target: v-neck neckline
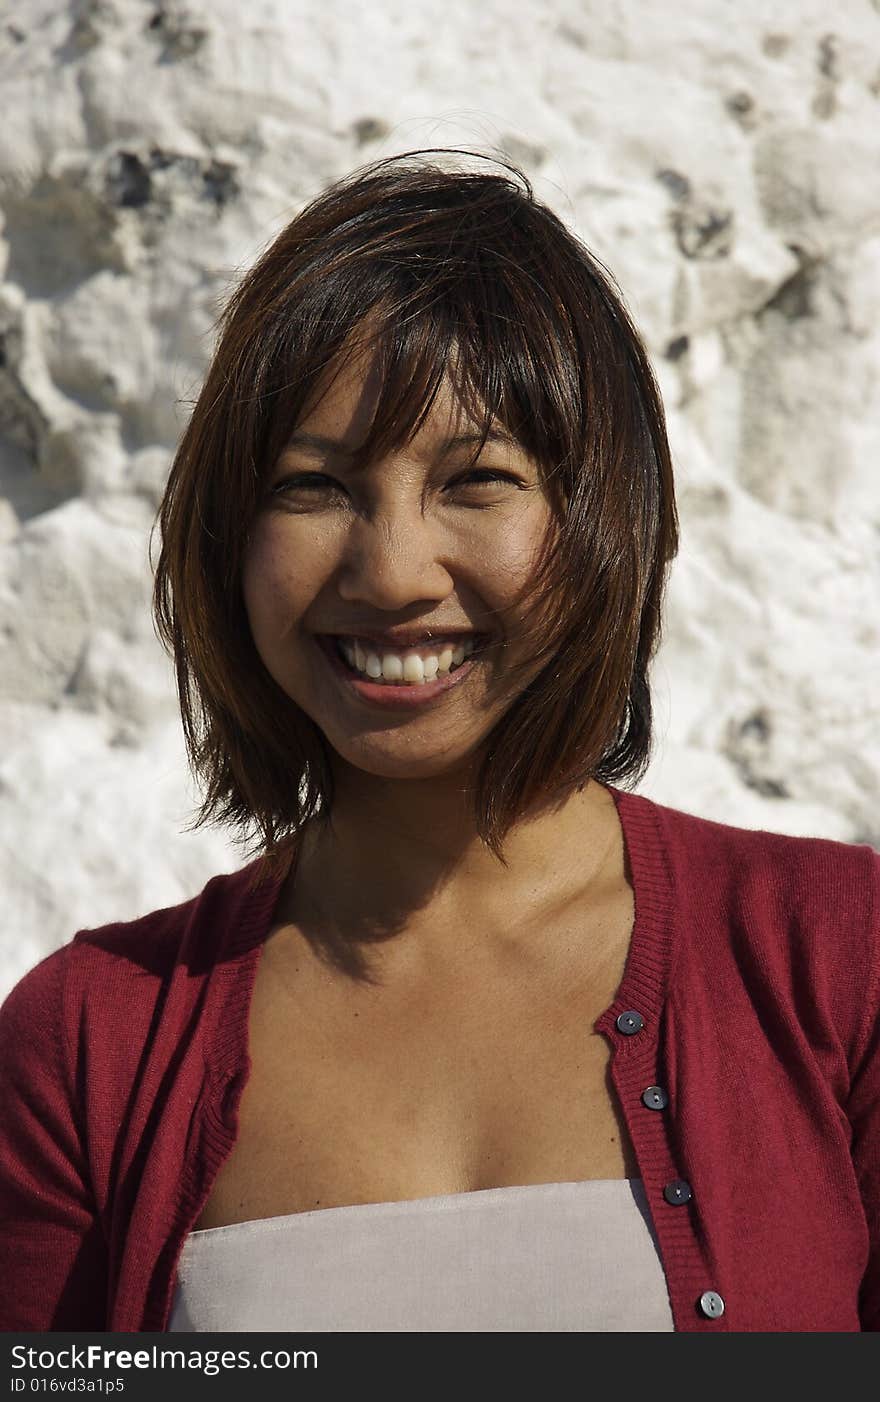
(252, 900)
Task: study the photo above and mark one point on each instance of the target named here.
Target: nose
(393, 560)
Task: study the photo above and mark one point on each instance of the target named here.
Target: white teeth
(411, 667)
(392, 667)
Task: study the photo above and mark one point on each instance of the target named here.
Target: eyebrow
(318, 441)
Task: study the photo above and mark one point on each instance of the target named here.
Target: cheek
(279, 577)
(508, 557)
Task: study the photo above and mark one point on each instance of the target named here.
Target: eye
(485, 476)
(305, 480)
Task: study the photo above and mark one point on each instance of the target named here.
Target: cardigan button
(678, 1192)
(630, 1023)
(655, 1097)
(711, 1304)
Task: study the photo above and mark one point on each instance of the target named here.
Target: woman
(478, 1039)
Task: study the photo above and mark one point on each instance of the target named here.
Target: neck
(404, 855)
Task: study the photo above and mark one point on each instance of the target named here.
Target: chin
(386, 765)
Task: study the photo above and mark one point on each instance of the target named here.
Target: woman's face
(415, 544)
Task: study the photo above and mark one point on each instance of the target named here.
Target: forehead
(348, 396)
(344, 405)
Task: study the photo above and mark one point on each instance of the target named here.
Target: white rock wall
(721, 158)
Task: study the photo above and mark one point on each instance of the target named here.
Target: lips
(390, 695)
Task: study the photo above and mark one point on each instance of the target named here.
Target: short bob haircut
(458, 272)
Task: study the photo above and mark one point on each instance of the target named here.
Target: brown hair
(461, 272)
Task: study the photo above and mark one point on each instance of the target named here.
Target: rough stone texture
(721, 159)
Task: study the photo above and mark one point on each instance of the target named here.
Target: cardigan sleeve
(52, 1247)
(864, 1115)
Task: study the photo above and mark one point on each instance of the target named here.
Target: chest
(487, 1076)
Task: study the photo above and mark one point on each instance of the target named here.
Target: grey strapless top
(547, 1257)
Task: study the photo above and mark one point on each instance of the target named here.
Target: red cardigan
(750, 997)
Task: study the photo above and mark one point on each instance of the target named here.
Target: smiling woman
(410, 326)
(478, 1040)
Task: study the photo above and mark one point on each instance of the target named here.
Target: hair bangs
(460, 302)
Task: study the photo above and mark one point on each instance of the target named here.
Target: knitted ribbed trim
(646, 973)
(635, 1061)
(214, 1120)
